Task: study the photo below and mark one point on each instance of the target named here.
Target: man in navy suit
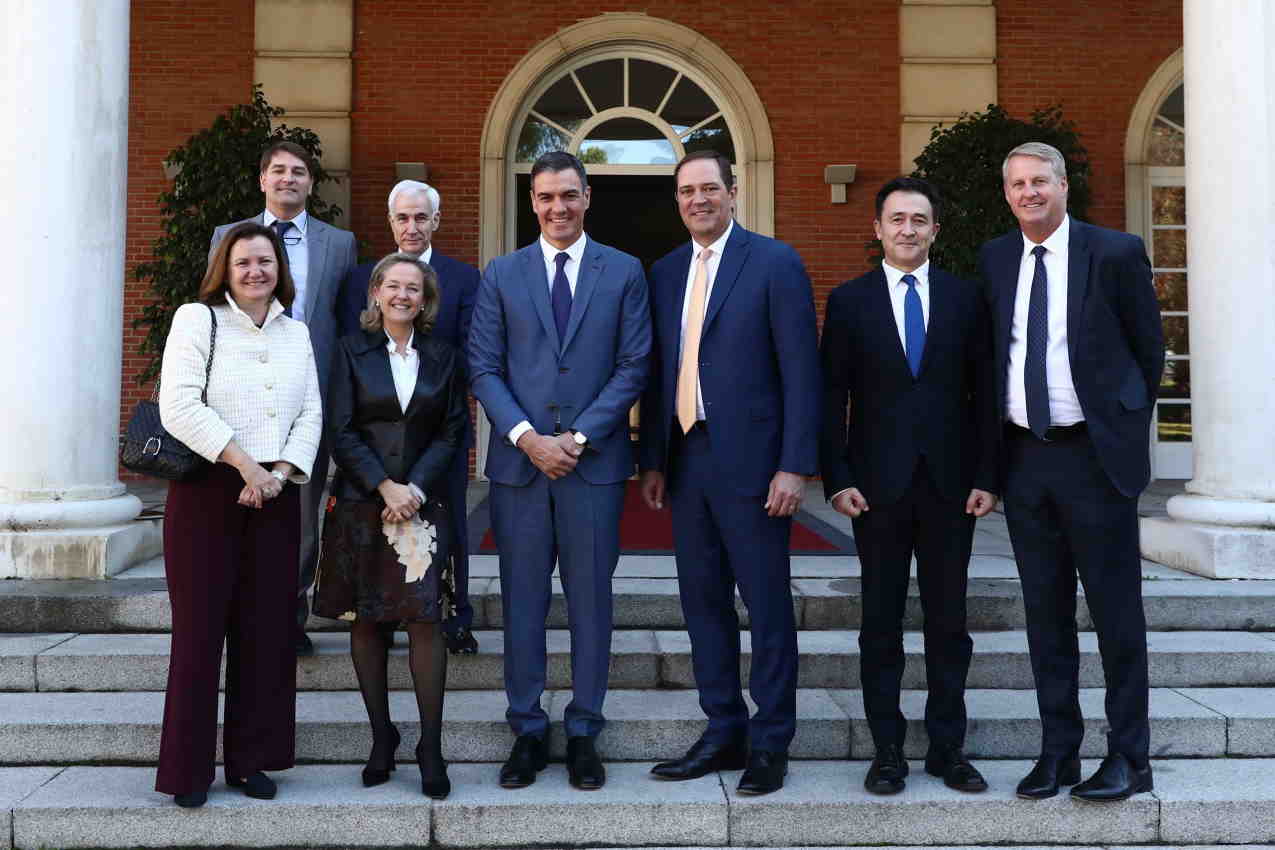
(910, 347)
(320, 258)
(729, 432)
(558, 353)
(414, 214)
(1079, 351)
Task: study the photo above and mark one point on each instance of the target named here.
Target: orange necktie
(688, 372)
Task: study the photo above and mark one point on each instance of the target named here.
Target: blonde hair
(371, 320)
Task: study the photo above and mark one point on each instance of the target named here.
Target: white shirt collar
(275, 309)
(575, 250)
(300, 222)
(392, 346)
(1056, 242)
(894, 277)
(717, 247)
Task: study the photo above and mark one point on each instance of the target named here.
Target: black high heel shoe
(434, 781)
(376, 775)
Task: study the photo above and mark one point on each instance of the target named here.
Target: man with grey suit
(558, 353)
(320, 257)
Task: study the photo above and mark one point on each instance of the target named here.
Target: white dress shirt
(1064, 404)
(263, 391)
(899, 290)
(571, 268)
(713, 262)
(298, 258)
(403, 368)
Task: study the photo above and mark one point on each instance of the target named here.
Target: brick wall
(189, 60)
(1094, 59)
(826, 71)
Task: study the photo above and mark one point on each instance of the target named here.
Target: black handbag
(149, 449)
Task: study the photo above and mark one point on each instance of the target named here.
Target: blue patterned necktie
(913, 325)
(1035, 387)
(281, 228)
(561, 296)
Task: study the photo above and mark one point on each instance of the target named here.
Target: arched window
(623, 111)
(1156, 199)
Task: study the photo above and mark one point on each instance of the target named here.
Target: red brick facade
(827, 72)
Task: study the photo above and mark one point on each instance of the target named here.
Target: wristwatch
(581, 439)
(279, 476)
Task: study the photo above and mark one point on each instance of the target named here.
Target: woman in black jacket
(396, 414)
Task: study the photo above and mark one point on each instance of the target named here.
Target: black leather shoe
(380, 763)
(528, 757)
(193, 800)
(434, 781)
(887, 771)
(1050, 773)
(1117, 778)
(461, 642)
(305, 646)
(955, 770)
(584, 767)
(702, 759)
(258, 785)
(765, 772)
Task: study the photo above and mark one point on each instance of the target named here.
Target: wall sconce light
(838, 176)
(412, 171)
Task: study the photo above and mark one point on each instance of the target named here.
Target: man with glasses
(320, 257)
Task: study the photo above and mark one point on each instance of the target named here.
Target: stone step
(1212, 801)
(830, 601)
(640, 659)
(124, 728)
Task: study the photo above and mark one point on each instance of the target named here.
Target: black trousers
(1067, 519)
(941, 534)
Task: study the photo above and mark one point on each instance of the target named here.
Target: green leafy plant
(216, 183)
(963, 161)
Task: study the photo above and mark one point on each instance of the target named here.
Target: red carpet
(647, 532)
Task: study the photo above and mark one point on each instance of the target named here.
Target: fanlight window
(624, 111)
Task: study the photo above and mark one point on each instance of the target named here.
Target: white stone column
(1224, 524)
(63, 182)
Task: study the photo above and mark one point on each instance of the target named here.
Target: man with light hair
(1078, 353)
(414, 217)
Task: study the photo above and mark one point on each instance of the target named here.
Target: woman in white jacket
(231, 534)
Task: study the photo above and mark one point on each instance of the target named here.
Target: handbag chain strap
(212, 346)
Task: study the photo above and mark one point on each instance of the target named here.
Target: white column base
(1213, 551)
(94, 538)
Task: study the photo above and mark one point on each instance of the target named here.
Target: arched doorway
(1155, 176)
(630, 94)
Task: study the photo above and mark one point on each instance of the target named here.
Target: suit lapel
(533, 274)
(317, 260)
(732, 263)
(1008, 264)
(591, 266)
(888, 329)
(417, 396)
(941, 310)
(1077, 283)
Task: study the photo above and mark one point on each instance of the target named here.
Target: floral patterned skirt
(361, 573)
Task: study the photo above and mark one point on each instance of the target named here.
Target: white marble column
(63, 182)
(1224, 524)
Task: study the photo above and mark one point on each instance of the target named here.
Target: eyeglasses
(291, 240)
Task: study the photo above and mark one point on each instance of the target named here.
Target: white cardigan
(263, 391)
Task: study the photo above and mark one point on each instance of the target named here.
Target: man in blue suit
(1079, 351)
(558, 354)
(414, 214)
(730, 427)
(910, 347)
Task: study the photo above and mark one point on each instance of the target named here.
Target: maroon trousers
(232, 577)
